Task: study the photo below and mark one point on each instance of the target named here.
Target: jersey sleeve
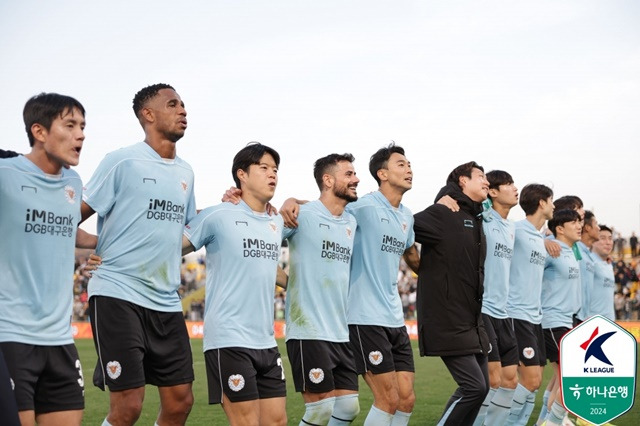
(201, 230)
(101, 190)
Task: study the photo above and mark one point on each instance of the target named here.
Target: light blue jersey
(587, 269)
(382, 236)
(560, 289)
(38, 222)
(143, 202)
(243, 248)
(525, 274)
(602, 289)
(320, 251)
(500, 241)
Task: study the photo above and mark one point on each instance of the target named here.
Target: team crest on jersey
(316, 375)
(375, 357)
(349, 232)
(70, 194)
(114, 369)
(273, 226)
(184, 185)
(404, 227)
(528, 352)
(236, 382)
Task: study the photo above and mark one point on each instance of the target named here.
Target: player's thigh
(242, 413)
(273, 411)
(67, 418)
(384, 386)
(24, 365)
(530, 376)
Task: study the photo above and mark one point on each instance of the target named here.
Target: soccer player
(601, 292)
(589, 235)
(41, 210)
(450, 288)
(244, 367)
(503, 354)
(320, 250)
(560, 296)
(379, 338)
(143, 195)
(523, 301)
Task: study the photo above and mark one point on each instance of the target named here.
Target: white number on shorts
(279, 362)
(81, 379)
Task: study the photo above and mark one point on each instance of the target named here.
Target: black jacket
(450, 278)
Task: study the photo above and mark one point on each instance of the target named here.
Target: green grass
(433, 387)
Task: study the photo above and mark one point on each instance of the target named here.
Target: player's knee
(407, 402)
(127, 412)
(346, 407)
(319, 412)
(531, 382)
(495, 381)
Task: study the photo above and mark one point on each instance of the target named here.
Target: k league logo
(598, 370)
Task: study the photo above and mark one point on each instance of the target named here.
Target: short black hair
(8, 154)
(497, 178)
(531, 195)
(322, 165)
(588, 218)
(605, 228)
(560, 217)
(251, 154)
(44, 108)
(463, 170)
(380, 160)
(572, 202)
(143, 96)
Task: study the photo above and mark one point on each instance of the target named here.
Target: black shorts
(244, 374)
(46, 378)
(320, 366)
(381, 349)
(138, 346)
(502, 339)
(531, 345)
(552, 338)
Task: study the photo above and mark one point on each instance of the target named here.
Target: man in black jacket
(450, 287)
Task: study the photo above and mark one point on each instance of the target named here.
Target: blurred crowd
(193, 277)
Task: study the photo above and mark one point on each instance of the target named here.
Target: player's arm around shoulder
(202, 228)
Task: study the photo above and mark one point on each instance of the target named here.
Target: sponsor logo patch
(236, 382)
(316, 375)
(375, 357)
(114, 369)
(528, 352)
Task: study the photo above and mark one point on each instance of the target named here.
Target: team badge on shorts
(375, 357)
(70, 194)
(114, 369)
(528, 352)
(316, 375)
(236, 382)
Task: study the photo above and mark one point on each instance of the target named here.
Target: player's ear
(241, 175)
(39, 132)
(382, 174)
(328, 180)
